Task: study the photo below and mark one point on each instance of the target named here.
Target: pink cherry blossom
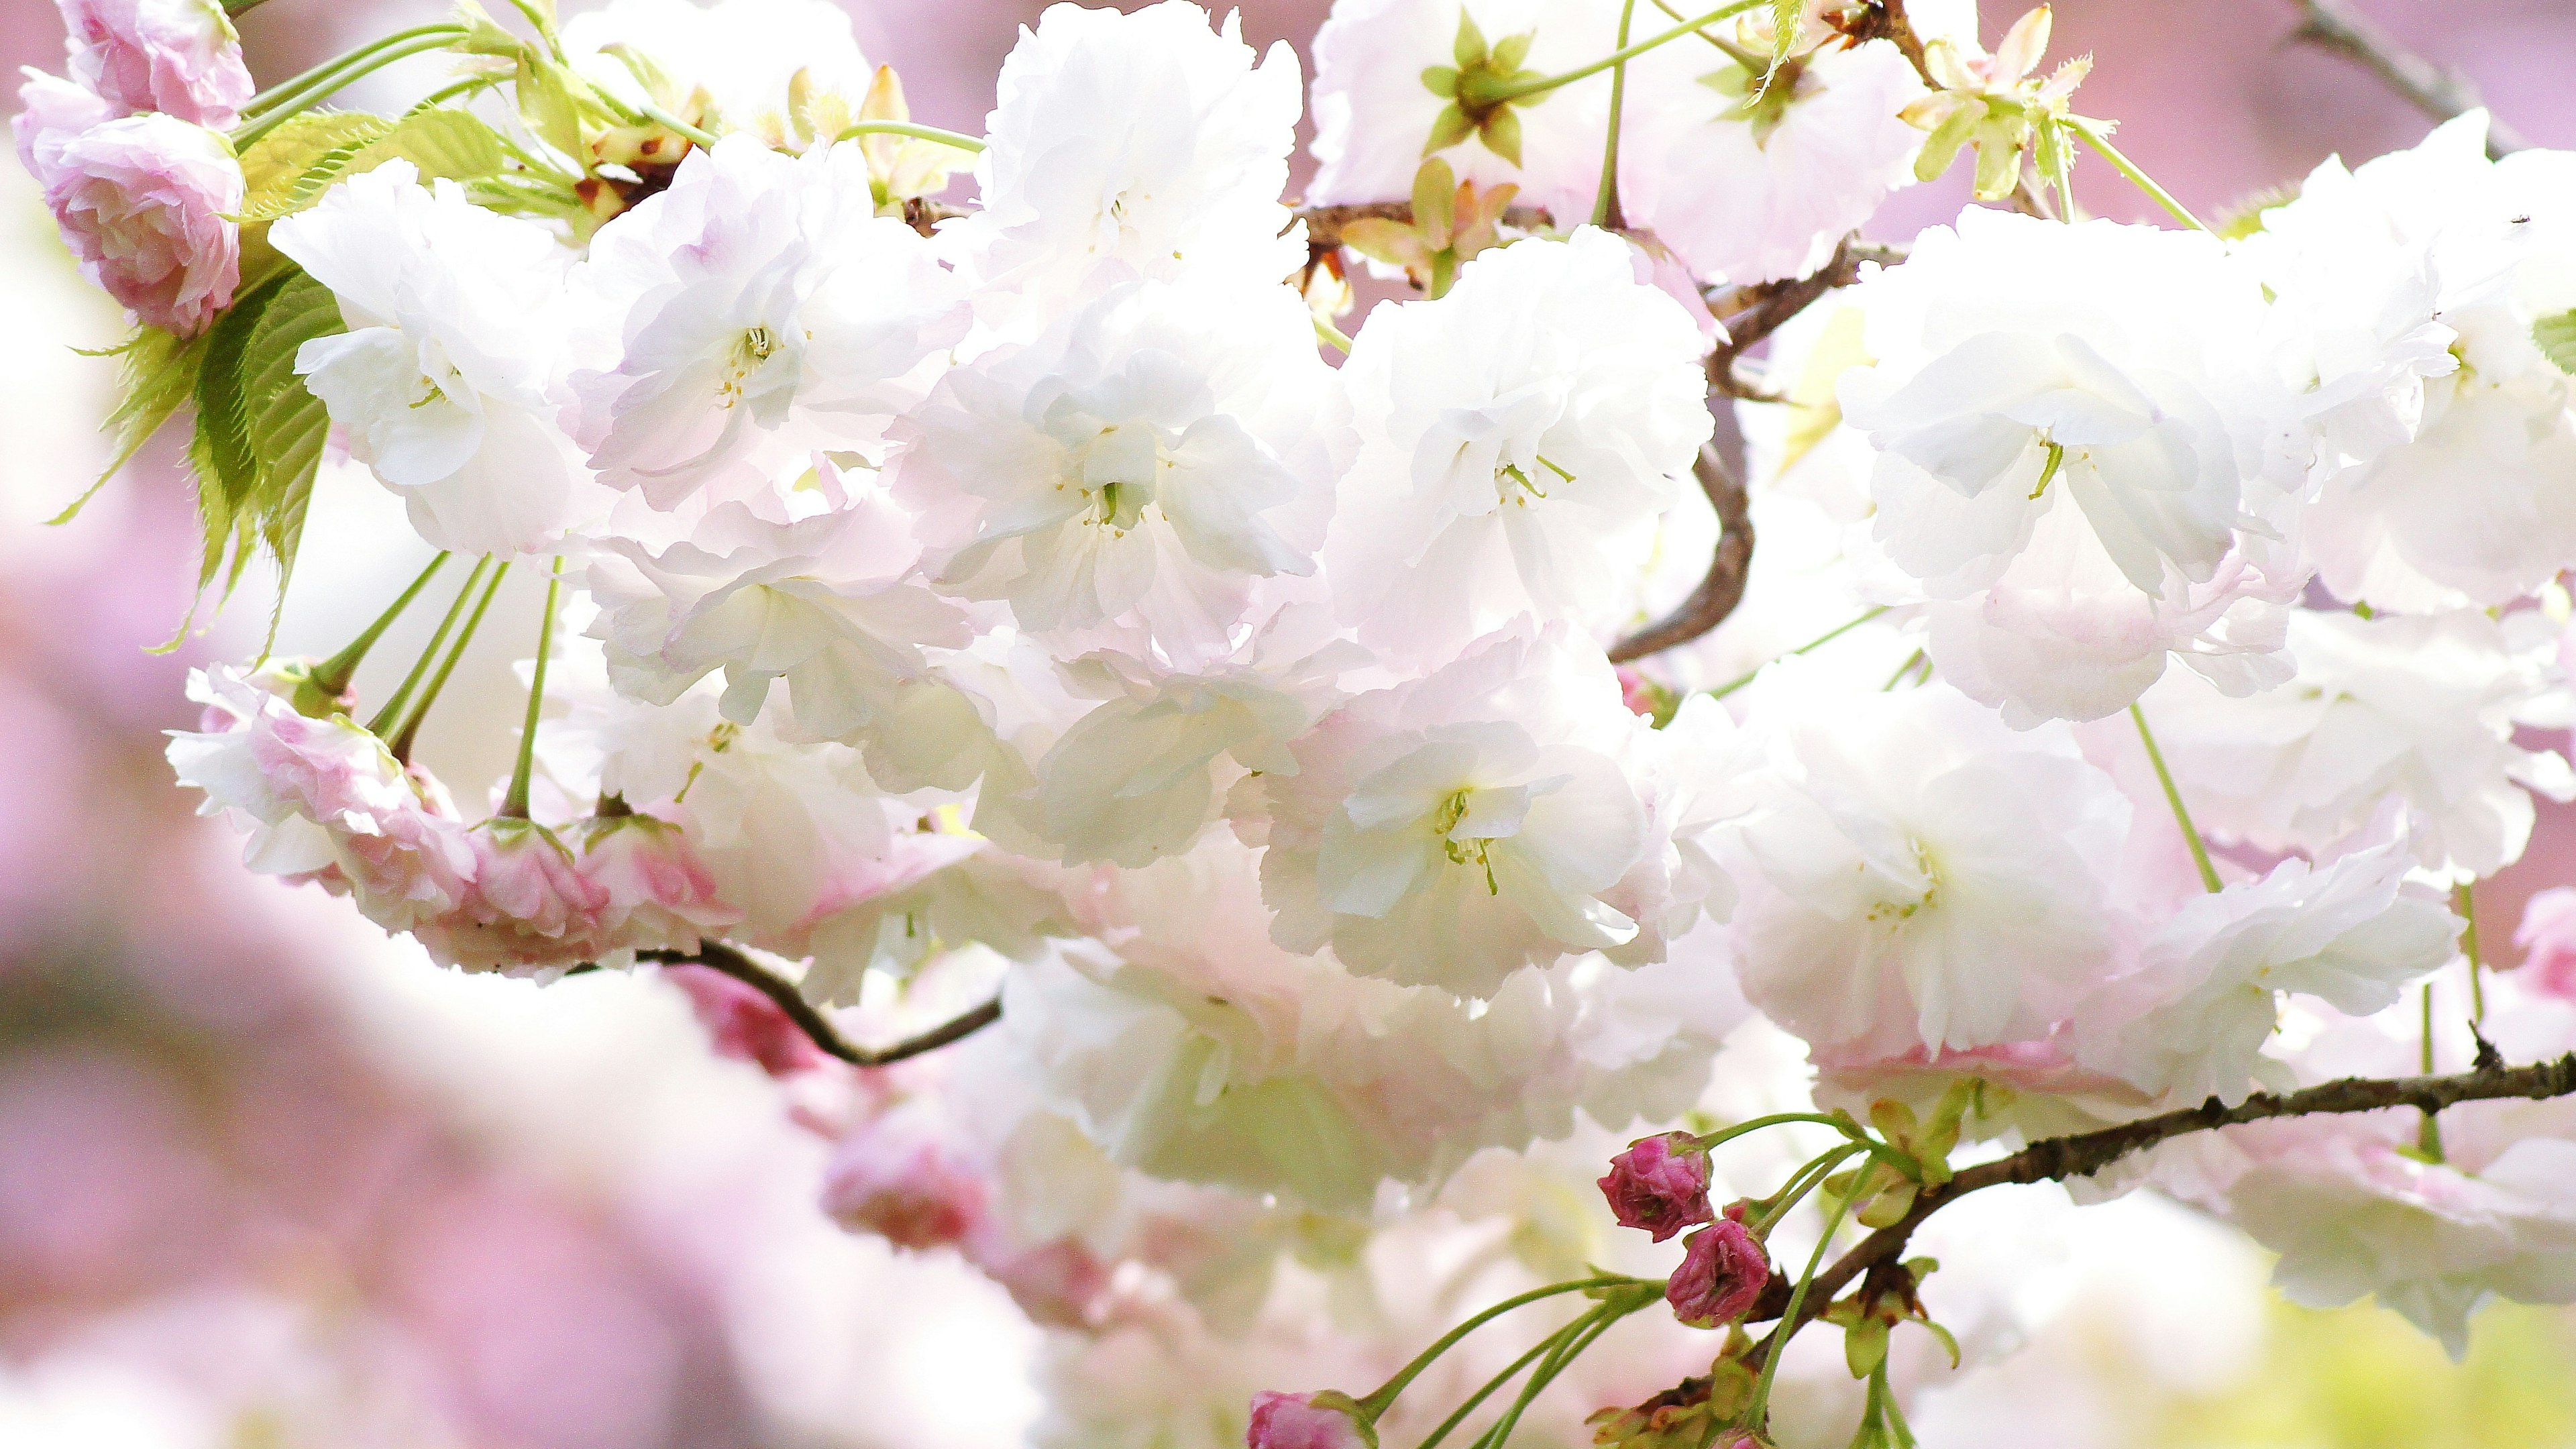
(1307, 1421)
(144, 204)
(178, 57)
(900, 1176)
(528, 910)
(51, 111)
(1723, 1272)
(2548, 940)
(743, 1024)
(1659, 1184)
(659, 895)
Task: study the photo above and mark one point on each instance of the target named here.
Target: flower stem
(1776, 1119)
(392, 710)
(1545, 84)
(2173, 797)
(1790, 1320)
(268, 111)
(2091, 131)
(1326, 332)
(914, 129)
(1494, 1385)
(1570, 1342)
(1605, 201)
(2428, 1136)
(401, 743)
(1802, 1182)
(2464, 904)
(515, 804)
(1820, 641)
(1377, 1401)
(331, 676)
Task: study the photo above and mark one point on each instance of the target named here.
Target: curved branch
(782, 993)
(1723, 586)
(1753, 313)
(2086, 1153)
(2439, 91)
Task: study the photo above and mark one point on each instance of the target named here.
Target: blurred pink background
(252, 1158)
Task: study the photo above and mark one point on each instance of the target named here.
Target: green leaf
(1435, 199)
(1865, 1346)
(545, 101)
(440, 143)
(277, 161)
(2556, 336)
(288, 424)
(157, 373)
(227, 473)
(1469, 48)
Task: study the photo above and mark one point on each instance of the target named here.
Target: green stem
(1789, 1323)
(332, 674)
(268, 100)
(1625, 53)
(284, 103)
(646, 106)
(1326, 332)
(1906, 668)
(1819, 642)
(1570, 1345)
(917, 131)
(544, 26)
(2093, 137)
(2173, 797)
(1494, 1385)
(2428, 1136)
(392, 711)
(1776, 1119)
(515, 804)
(1802, 1182)
(401, 743)
(2464, 903)
(1384, 1395)
(1605, 201)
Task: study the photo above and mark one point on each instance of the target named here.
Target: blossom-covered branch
(782, 993)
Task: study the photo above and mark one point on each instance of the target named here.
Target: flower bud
(900, 1177)
(1723, 1272)
(144, 204)
(1320, 1420)
(1659, 1184)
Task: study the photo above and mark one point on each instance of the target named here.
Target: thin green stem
(1819, 642)
(451, 91)
(2092, 133)
(543, 24)
(1569, 1342)
(2173, 797)
(515, 804)
(2428, 1135)
(332, 674)
(1493, 1386)
(2464, 904)
(1906, 668)
(1776, 1119)
(285, 90)
(392, 711)
(401, 743)
(914, 129)
(289, 105)
(1669, 8)
(1625, 53)
(645, 105)
(1802, 1182)
(1789, 1320)
(1377, 1401)
(1605, 200)
(1336, 338)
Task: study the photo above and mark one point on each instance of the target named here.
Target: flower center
(1928, 870)
(1513, 484)
(755, 346)
(1474, 851)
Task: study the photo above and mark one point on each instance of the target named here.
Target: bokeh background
(268, 1180)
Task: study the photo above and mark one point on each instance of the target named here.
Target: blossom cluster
(2136, 674)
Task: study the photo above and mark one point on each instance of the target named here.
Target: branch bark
(782, 993)
(1722, 588)
(2439, 91)
(1753, 313)
(2058, 1158)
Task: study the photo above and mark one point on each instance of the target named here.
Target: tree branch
(2439, 91)
(2090, 1152)
(782, 993)
(1723, 586)
(1753, 313)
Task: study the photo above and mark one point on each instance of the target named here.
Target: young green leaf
(157, 372)
(2556, 337)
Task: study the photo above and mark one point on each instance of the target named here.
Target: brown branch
(2439, 91)
(1324, 224)
(2080, 1155)
(1753, 313)
(1722, 588)
(782, 993)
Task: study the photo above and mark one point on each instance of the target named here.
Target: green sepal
(1440, 80)
(1942, 146)
(1448, 129)
(1865, 1346)
(1512, 51)
(546, 104)
(1502, 133)
(1469, 46)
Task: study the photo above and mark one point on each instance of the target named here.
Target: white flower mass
(1378, 776)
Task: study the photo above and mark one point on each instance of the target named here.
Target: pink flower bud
(178, 57)
(1723, 1272)
(1659, 1184)
(743, 1024)
(658, 894)
(1322, 1420)
(900, 1177)
(527, 911)
(143, 202)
